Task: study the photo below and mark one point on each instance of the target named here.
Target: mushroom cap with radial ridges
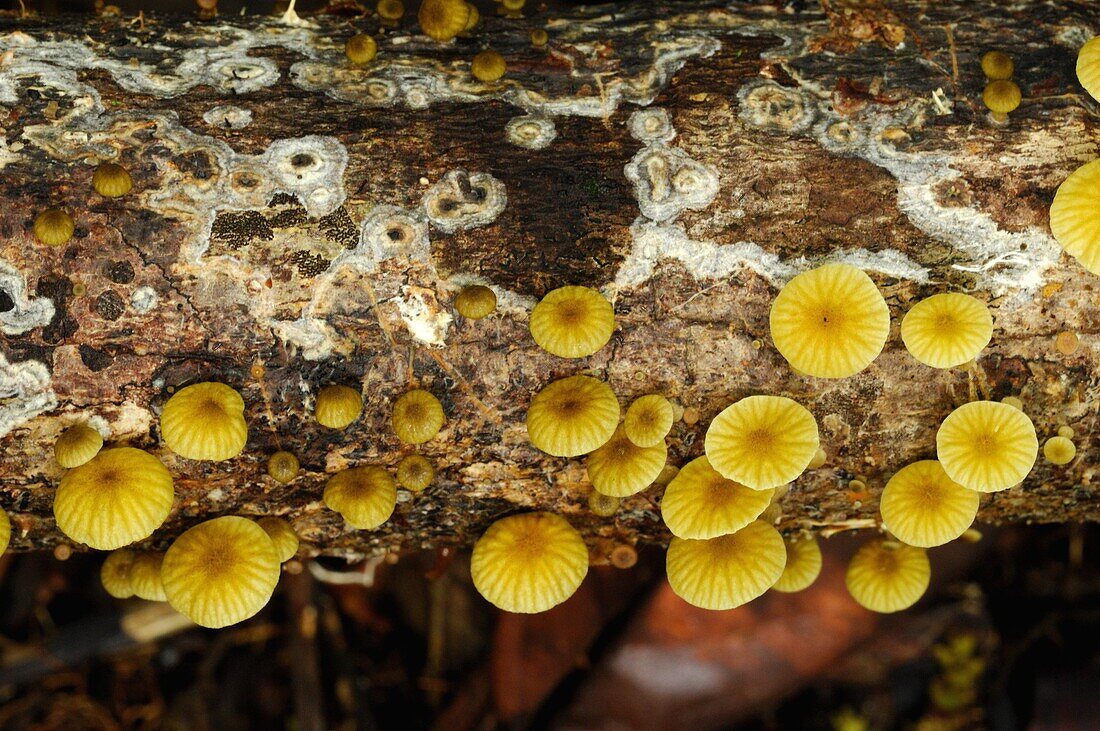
(1074, 220)
(205, 421)
(762, 441)
(337, 406)
(572, 416)
(572, 322)
(699, 503)
(886, 576)
(283, 467)
(987, 446)
(648, 420)
(364, 496)
(488, 66)
(76, 445)
(442, 20)
(947, 330)
(1059, 450)
(111, 180)
(997, 65)
(390, 9)
(5, 530)
(621, 468)
(830, 322)
(803, 565)
(603, 505)
(1001, 96)
(529, 563)
(473, 19)
(114, 574)
(282, 536)
(220, 572)
(923, 507)
(728, 571)
(417, 416)
(475, 302)
(1088, 67)
(415, 472)
(54, 227)
(119, 496)
(361, 49)
(145, 576)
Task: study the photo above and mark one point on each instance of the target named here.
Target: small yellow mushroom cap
(572, 322)
(803, 565)
(337, 406)
(1013, 402)
(947, 330)
(887, 576)
(728, 571)
(572, 416)
(54, 227)
(529, 563)
(621, 468)
(114, 574)
(390, 9)
(417, 416)
(5, 530)
(220, 572)
(987, 446)
(205, 421)
(830, 322)
(820, 458)
(488, 66)
(475, 302)
(603, 505)
(997, 65)
(1065, 431)
(365, 496)
(415, 472)
(361, 49)
(119, 496)
(282, 536)
(442, 20)
(648, 420)
(474, 19)
(1088, 67)
(513, 4)
(77, 445)
(923, 507)
(145, 577)
(699, 503)
(1073, 218)
(1059, 450)
(539, 38)
(1001, 96)
(283, 467)
(762, 441)
(111, 180)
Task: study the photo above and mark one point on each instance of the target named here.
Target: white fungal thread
(464, 200)
(426, 319)
(25, 313)
(25, 392)
(532, 132)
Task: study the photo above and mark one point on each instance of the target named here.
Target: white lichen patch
(227, 116)
(651, 125)
(464, 200)
(388, 232)
(144, 299)
(311, 169)
(532, 132)
(25, 313)
(667, 182)
(25, 392)
(311, 336)
(426, 319)
(767, 105)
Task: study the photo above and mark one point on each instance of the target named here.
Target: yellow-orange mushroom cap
(887, 576)
(54, 227)
(415, 472)
(762, 441)
(830, 322)
(337, 406)
(987, 446)
(119, 496)
(442, 20)
(621, 468)
(699, 503)
(648, 420)
(76, 445)
(111, 180)
(205, 421)
(529, 563)
(475, 302)
(1059, 450)
(572, 322)
(364, 496)
(361, 49)
(417, 416)
(145, 578)
(572, 416)
(488, 66)
(1073, 215)
(282, 536)
(390, 9)
(923, 507)
(1088, 67)
(5, 530)
(220, 572)
(803, 565)
(283, 466)
(114, 574)
(728, 571)
(947, 330)
(997, 65)
(1001, 97)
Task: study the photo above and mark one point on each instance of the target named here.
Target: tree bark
(297, 222)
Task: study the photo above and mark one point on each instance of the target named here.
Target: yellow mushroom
(119, 496)
(488, 66)
(114, 574)
(205, 421)
(390, 11)
(539, 37)
(145, 577)
(364, 496)
(5, 530)
(572, 416)
(621, 468)
(1059, 450)
(803, 565)
(1065, 431)
(762, 441)
(572, 322)
(442, 20)
(361, 49)
(923, 507)
(819, 459)
(220, 572)
(417, 416)
(282, 466)
(648, 420)
(111, 180)
(987, 446)
(830, 322)
(1013, 402)
(1088, 67)
(603, 505)
(1073, 215)
(1001, 97)
(54, 227)
(699, 503)
(728, 571)
(415, 472)
(282, 536)
(77, 445)
(887, 576)
(475, 302)
(947, 330)
(997, 65)
(337, 406)
(529, 563)
(473, 19)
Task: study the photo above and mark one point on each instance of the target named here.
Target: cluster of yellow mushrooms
(829, 322)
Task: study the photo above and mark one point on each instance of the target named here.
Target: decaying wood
(273, 183)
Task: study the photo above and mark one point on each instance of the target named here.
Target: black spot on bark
(109, 305)
(57, 288)
(120, 272)
(94, 360)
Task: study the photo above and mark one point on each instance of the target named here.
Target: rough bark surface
(296, 222)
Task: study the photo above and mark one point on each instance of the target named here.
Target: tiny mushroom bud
(390, 11)
(337, 406)
(1059, 450)
(361, 49)
(475, 302)
(488, 66)
(1065, 431)
(997, 66)
(603, 505)
(54, 227)
(1001, 97)
(283, 466)
(111, 180)
(539, 38)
